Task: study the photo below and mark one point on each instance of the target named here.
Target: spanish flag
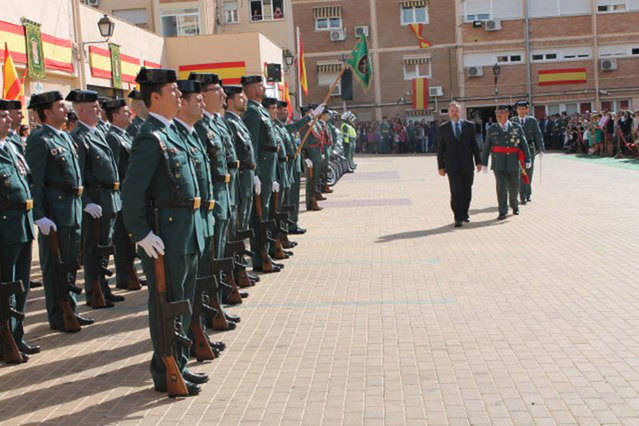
(562, 76)
(418, 29)
(11, 87)
(420, 93)
(302, 65)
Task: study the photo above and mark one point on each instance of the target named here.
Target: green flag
(361, 64)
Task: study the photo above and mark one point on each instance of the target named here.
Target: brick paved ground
(386, 314)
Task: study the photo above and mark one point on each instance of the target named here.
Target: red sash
(520, 155)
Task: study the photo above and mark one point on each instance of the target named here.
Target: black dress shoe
(219, 345)
(467, 220)
(61, 328)
(107, 304)
(34, 284)
(522, 202)
(275, 269)
(252, 277)
(529, 200)
(142, 282)
(516, 212)
(232, 318)
(197, 378)
(191, 387)
(114, 297)
(288, 252)
(501, 217)
(29, 349)
(243, 294)
(458, 224)
(297, 231)
(279, 265)
(84, 320)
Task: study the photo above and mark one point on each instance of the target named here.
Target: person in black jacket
(456, 150)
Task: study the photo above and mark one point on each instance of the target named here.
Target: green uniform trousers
(245, 201)
(526, 188)
(92, 262)
(124, 253)
(507, 190)
(294, 197)
(256, 240)
(312, 183)
(15, 263)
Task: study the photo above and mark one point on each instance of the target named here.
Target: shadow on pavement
(436, 231)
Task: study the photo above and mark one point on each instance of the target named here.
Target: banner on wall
(35, 52)
(116, 65)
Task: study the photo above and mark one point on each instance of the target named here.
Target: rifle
(64, 285)
(101, 252)
(278, 230)
(219, 321)
(263, 235)
(234, 250)
(239, 251)
(202, 309)
(169, 330)
(10, 352)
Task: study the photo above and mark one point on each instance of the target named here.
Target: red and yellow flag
(287, 98)
(562, 76)
(418, 29)
(420, 93)
(302, 67)
(11, 87)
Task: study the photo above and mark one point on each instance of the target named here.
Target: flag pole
(326, 98)
(299, 66)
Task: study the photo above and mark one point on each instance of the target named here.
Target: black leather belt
(222, 178)
(191, 204)
(66, 187)
(208, 205)
(271, 148)
(115, 186)
(233, 164)
(12, 205)
(247, 166)
(282, 160)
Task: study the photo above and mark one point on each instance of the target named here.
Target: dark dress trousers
(458, 156)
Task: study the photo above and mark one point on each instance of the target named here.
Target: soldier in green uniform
(101, 198)
(260, 126)
(119, 116)
(506, 143)
(15, 113)
(312, 150)
(162, 182)
(281, 182)
(327, 147)
(535, 140)
(57, 203)
(140, 110)
(16, 226)
(103, 124)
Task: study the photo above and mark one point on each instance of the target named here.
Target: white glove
(258, 185)
(323, 157)
(484, 169)
(308, 163)
(94, 210)
(152, 245)
(541, 153)
(318, 110)
(528, 165)
(276, 187)
(45, 225)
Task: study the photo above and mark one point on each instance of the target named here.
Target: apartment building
(329, 30)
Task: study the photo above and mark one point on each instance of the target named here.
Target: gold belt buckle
(211, 204)
(227, 178)
(196, 203)
(116, 186)
(80, 190)
(28, 205)
(238, 164)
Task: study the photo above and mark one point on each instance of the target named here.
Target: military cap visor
(282, 104)
(502, 108)
(134, 94)
(44, 99)
(114, 104)
(232, 90)
(205, 78)
(267, 102)
(521, 104)
(251, 79)
(6, 105)
(189, 86)
(156, 76)
(78, 95)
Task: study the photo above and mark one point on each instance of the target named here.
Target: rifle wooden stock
(10, 352)
(203, 350)
(97, 296)
(263, 235)
(70, 321)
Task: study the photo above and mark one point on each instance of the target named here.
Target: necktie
(458, 130)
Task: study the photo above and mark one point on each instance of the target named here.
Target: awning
(327, 12)
(412, 3)
(414, 60)
(329, 67)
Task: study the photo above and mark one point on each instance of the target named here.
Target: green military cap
(205, 78)
(232, 90)
(113, 104)
(305, 109)
(282, 104)
(42, 100)
(135, 94)
(102, 100)
(251, 79)
(156, 76)
(189, 86)
(8, 105)
(267, 102)
(78, 95)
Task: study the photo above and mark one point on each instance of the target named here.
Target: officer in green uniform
(327, 147)
(57, 203)
(260, 126)
(349, 136)
(16, 225)
(312, 150)
(15, 112)
(247, 181)
(103, 124)
(101, 198)
(535, 140)
(119, 116)
(162, 182)
(281, 182)
(506, 143)
(140, 110)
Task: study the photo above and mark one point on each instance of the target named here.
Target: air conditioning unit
(475, 71)
(435, 91)
(338, 35)
(362, 29)
(608, 64)
(94, 3)
(493, 25)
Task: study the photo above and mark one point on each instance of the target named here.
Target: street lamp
(289, 59)
(496, 72)
(106, 27)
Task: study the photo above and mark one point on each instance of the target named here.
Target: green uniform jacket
(135, 126)
(513, 137)
(212, 141)
(228, 139)
(120, 143)
(16, 140)
(54, 163)
(282, 158)
(534, 137)
(16, 224)
(161, 168)
(243, 144)
(99, 169)
(313, 145)
(295, 163)
(102, 126)
(260, 126)
(203, 170)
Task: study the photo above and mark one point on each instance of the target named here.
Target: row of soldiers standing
(184, 183)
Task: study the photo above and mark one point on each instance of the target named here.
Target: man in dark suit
(456, 150)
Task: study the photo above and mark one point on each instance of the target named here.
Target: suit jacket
(455, 154)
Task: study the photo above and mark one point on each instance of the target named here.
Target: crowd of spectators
(397, 136)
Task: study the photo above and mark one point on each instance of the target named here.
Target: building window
(488, 59)
(137, 17)
(635, 51)
(484, 10)
(417, 67)
(509, 59)
(414, 15)
(267, 10)
(231, 12)
(327, 72)
(328, 18)
(545, 8)
(180, 22)
(611, 6)
(568, 54)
